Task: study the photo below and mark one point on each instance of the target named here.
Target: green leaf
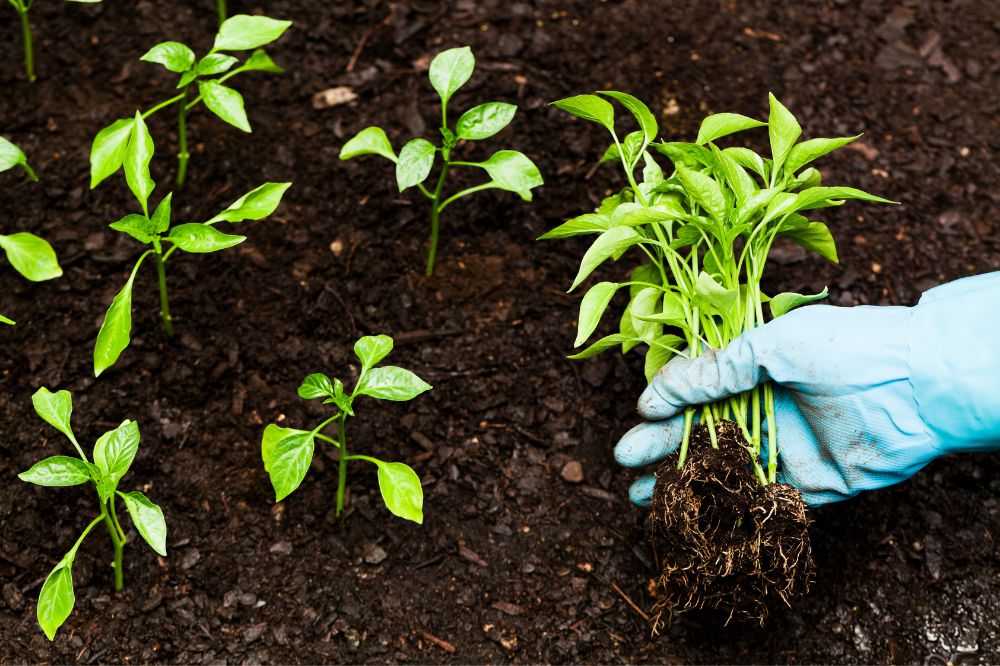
(253, 205)
(719, 125)
(290, 460)
(5, 320)
(215, 63)
(173, 55)
(415, 162)
(610, 243)
(631, 146)
(243, 32)
(148, 520)
(224, 102)
(56, 600)
(738, 180)
(749, 159)
(645, 118)
(782, 303)
(202, 238)
(803, 153)
(824, 197)
(642, 307)
(57, 471)
(713, 297)
(12, 156)
(31, 256)
(401, 491)
(391, 383)
(601, 345)
(783, 129)
(589, 107)
(513, 171)
(588, 223)
(815, 237)
(705, 191)
(161, 216)
(592, 308)
(272, 435)
(485, 120)
(659, 353)
(56, 409)
(689, 154)
(260, 61)
(369, 141)
(316, 385)
(115, 450)
(108, 150)
(450, 70)
(115, 333)
(186, 79)
(371, 349)
(137, 157)
(138, 227)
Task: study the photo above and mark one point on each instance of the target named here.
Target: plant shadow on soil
(513, 562)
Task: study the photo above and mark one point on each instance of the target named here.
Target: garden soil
(529, 551)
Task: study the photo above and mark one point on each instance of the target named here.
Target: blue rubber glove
(864, 396)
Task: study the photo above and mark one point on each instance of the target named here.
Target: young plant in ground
(507, 169)
(288, 452)
(30, 255)
(197, 86)
(113, 454)
(155, 231)
(22, 7)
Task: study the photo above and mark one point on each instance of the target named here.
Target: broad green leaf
(782, 303)
(589, 107)
(148, 519)
(645, 304)
(369, 141)
(688, 154)
(56, 409)
(415, 162)
(260, 61)
(601, 345)
(371, 349)
(391, 383)
(115, 333)
(316, 385)
(808, 177)
(108, 150)
(401, 491)
(783, 129)
(611, 242)
(56, 600)
(753, 203)
(652, 174)
(719, 125)
(161, 216)
(824, 197)
(705, 191)
(137, 157)
(290, 460)
(588, 223)
(749, 159)
(671, 312)
(645, 118)
(272, 435)
(31, 256)
(592, 308)
(713, 297)
(781, 203)
(815, 237)
(215, 63)
(57, 471)
(12, 156)
(202, 238)
(485, 120)
(138, 227)
(115, 450)
(660, 351)
(630, 336)
(803, 153)
(253, 205)
(450, 70)
(514, 172)
(637, 215)
(173, 55)
(738, 180)
(224, 102)
(243, 32)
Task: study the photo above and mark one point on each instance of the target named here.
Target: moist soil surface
(521, 556)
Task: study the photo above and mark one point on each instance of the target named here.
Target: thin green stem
(29, 53)
(342, 464)
(686, 437)
(161, 275)
(436, 219)
(31, 172)
(356, 456)
(117, 542)
(467, 191)
(710, 424)
(83, 535)
(164, 104)
(220, 6)
(772, 434)
(182, 144)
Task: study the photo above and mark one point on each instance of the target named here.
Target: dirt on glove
(723, 541)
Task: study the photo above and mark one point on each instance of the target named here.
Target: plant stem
(772, 434)
(220, 6)
(117, 543)
(686, 438)
(436, 219)
(161, 274)
(182, 143)
(29, 53)
(342, 463)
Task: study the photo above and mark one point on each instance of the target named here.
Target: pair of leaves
(600, 111)
(127, 143)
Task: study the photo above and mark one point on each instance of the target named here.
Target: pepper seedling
(508, 169)
(30, 255)
(238, 33)
(705, 232)
(288, 452)
(156, 231)
(113, 455)
(22, 7)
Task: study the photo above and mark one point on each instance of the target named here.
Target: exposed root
(723, 541)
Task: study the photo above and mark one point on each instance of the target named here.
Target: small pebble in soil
(373, 554)
(572, 472)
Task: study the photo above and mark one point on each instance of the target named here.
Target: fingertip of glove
(641, 492)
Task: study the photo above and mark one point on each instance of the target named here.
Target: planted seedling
(197, 86)
(30, 255)
(113, 454)
(507, 169)
(155, 231)
(22, 7)
(704, 232)
(288, 452)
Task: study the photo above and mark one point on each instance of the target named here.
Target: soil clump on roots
(723, 541)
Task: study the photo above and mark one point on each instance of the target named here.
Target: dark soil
(723, 541)
(513, 563)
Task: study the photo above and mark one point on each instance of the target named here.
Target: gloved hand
(864, 397)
